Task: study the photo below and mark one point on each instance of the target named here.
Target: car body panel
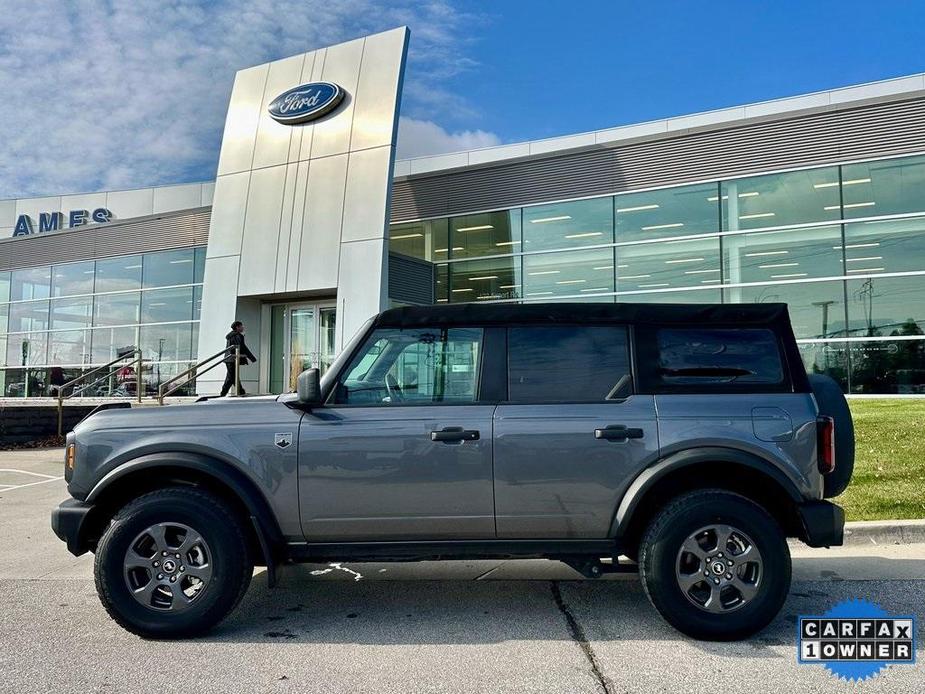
(688, 421)
(373, 473)
(554, 479)
(239, 432)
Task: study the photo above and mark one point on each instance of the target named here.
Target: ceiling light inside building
(407, 236)
(757, 215)
(848, 205)
(663, 226)
(850, 182)
(770, 265)
(857, 245)
(763, 253)
(638, 208)
(750, 194)
(683, 260)
(544, 272)
(481, 227)
(549, 219)
(584, 235)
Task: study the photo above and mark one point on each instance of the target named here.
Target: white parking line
(31, 484)
(11, 487)
(26, 472)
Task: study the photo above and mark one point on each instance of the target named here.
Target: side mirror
(308, 387)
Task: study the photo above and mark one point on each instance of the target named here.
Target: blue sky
(138, 95)
(549, 68)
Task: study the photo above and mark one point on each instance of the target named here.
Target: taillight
(825, 443)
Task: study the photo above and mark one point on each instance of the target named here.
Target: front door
(403, 450)
(572, 435)
(301, 337)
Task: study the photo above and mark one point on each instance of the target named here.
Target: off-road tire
(658, 557)
(222, 530)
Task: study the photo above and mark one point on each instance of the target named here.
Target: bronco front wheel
(173, 563)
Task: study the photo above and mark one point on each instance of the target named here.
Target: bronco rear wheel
(715, 565)
(173, 563)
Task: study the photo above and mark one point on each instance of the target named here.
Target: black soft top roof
(770, 315)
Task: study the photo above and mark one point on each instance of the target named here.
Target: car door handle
(454, 434)
(618, 432)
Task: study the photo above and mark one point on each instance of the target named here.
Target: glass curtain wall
(58, 322)
(843, 246)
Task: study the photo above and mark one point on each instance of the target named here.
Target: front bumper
(69, 521)
(823, 523)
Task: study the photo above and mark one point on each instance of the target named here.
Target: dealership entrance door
(302, 336)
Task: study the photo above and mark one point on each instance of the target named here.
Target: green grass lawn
(889, 468)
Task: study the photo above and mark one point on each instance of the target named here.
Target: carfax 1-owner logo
(856, 639)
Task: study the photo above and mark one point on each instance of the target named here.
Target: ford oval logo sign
(306, 102)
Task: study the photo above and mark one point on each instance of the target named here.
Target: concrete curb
(894, 532)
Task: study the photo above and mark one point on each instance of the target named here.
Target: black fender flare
(650, 476)
(269, 535)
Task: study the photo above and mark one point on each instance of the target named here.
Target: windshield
(339, 362)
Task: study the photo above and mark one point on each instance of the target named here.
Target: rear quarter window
(711, 359)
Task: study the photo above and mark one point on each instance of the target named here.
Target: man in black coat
(235, 339)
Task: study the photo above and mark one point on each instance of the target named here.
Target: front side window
(415, 366)
(692, 357)
(568, 364)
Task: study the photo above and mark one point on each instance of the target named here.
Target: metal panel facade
(881, 129)
(170, 230)
(317, 193)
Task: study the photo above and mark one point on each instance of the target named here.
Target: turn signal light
(69, 456)
(825, 444)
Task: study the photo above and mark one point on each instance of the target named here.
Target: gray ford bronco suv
(685, 442)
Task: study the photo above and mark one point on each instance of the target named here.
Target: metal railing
(111, 369)
(167, 387)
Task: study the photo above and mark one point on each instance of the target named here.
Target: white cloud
(418, 138)
(107, 94)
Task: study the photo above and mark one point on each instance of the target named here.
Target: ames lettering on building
(55, 221)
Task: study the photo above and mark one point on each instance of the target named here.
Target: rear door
(403, 449)
(571, 435)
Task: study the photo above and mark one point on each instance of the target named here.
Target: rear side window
(718, 357)
(568, 364)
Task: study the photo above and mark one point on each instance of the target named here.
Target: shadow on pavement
(313, 609)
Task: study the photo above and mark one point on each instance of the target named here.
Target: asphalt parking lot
(494, 626)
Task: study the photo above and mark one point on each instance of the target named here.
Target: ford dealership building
(311, 226)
